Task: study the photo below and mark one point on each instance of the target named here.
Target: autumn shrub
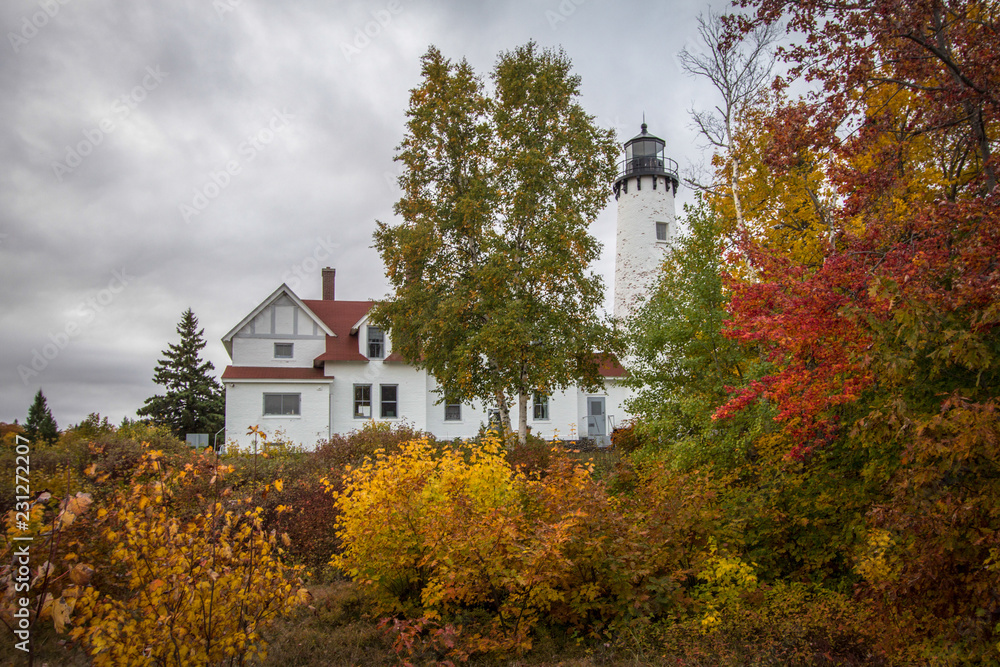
(8, 433)
(339, 451)
(252, 472)
(303, 511)
(423, 641)
(182, 591)
(47, 571)
(626, 439)
(783, 624)
(301, 508)
(118, 454)
(459, 536)
(57, 468)
(930, 558)
(531, 458)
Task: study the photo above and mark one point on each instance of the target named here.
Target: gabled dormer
(373, 342)
(282, 331)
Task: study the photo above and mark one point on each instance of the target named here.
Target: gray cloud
(82, 83)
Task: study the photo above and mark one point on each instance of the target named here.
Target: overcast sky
(156, 156)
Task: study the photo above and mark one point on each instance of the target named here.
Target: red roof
(609, 367)
(269, 373)
(340, 316)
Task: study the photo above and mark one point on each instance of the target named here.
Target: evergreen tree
(194, 401)
(40, 426)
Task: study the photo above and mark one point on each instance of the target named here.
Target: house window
(541, 406)
(283, 350)
(453, 412)
(376, 343)
(389, 402)
(363, 401)
(661, 231)
(282, 404)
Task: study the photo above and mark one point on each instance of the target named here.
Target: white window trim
(381, 401)
(282, 358)
(263, 407)
(548, 408)
(453, 421)
(666, 226)
(354, 400)
(368, 343)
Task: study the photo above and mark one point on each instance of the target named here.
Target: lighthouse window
(661, 231)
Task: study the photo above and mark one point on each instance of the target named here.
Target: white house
(308, 369)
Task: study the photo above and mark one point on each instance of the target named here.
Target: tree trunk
(522, 418)
(505, 428)
(734, 186)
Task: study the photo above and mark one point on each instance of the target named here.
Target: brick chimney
(329, 276)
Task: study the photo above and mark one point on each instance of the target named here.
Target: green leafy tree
(40, 426)
(680, 362)
(493, 295)
(194, 401)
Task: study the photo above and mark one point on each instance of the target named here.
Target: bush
(341, 451)
(531, 458)
(783, 624)
(194, 586)
(626, 439)
(459, 536)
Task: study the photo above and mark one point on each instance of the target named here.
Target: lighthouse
(645, 189)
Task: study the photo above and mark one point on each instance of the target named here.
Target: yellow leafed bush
(456, 535)
(190, 588)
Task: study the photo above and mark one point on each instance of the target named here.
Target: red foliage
(906, 87)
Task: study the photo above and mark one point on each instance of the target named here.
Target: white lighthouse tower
(645, 189)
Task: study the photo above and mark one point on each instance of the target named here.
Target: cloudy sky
(156, 156)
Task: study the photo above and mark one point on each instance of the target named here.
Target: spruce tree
(194, 401)
(40, 425)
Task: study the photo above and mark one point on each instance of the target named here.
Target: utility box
(199, 440)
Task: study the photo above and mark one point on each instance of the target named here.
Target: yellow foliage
(197, 590)
(875, 562)
(725, 578)
(788, 211)
(437, 531)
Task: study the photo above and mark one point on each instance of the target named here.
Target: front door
(597, 427)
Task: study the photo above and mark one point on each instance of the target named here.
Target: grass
(337, 630)
(333, 630)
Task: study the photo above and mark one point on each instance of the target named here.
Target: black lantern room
(644, 156)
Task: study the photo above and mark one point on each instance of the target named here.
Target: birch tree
(493, 294)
